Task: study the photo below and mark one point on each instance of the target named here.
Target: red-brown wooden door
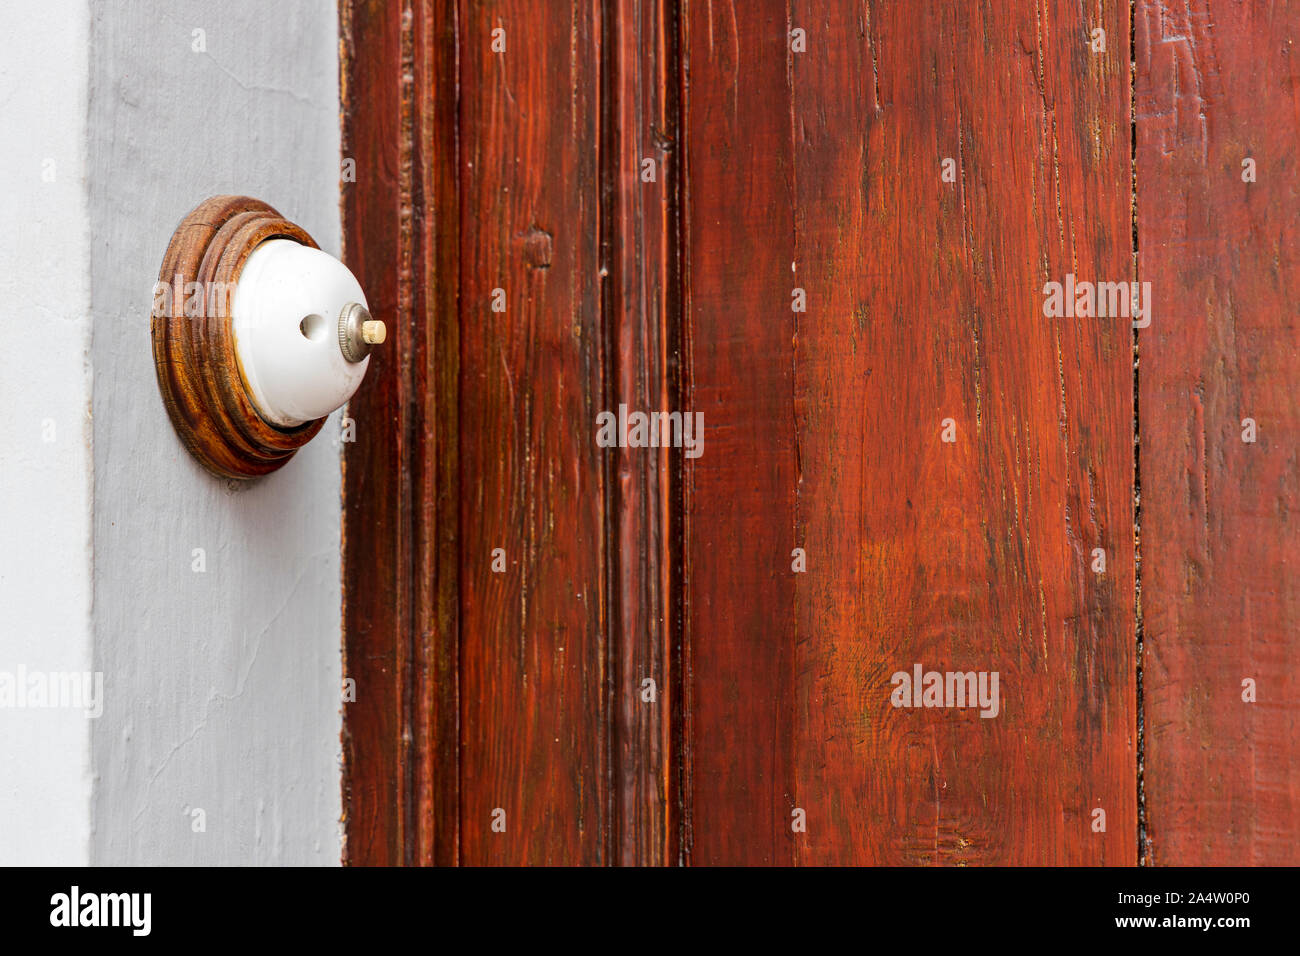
(826, 228)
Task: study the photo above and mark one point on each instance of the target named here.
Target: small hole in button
(313, 327)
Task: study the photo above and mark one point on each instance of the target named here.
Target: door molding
(418, 231)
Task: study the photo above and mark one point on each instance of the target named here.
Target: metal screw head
(358, 332)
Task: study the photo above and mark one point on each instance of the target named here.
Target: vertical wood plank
(823, 432)
(640, 206)
(534, 483)
(1217, 84)
(739, 524)
(401, 234)
(373, 792)
(533, 658)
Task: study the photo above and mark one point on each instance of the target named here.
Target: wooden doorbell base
(194, 346)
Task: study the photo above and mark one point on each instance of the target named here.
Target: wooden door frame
(403, 553)
(1155, 156)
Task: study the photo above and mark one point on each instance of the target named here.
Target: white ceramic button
(297, 332)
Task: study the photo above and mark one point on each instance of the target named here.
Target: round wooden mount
(194, 346)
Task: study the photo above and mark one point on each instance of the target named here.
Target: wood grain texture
(534, 669)
(1217, 83)
(821, 171)
(739, 524)
(481, 170)
(401, 476)
(640, 246)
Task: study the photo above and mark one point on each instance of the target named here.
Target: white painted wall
(45, 485)
(221, 687)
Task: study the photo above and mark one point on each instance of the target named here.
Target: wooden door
(828, 230)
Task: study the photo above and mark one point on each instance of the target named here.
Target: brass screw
(358, 332)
